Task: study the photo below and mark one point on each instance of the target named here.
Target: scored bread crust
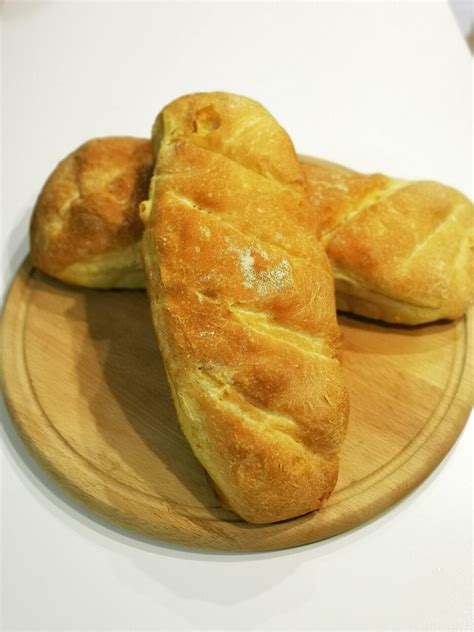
(400, 251)
(85, 227)
(243, 304)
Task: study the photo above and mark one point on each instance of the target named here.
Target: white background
(376, 86)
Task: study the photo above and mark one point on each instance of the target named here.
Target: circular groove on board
(209, 526)
(449, 393)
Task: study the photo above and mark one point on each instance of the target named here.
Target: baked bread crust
(400, 251)
(243, 304)
(85, 227)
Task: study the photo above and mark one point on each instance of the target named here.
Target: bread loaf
(400, 251)
(85, 228)
(243, 304)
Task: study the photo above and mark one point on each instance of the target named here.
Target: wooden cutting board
(86, 387)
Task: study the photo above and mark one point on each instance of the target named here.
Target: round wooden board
(87, 389)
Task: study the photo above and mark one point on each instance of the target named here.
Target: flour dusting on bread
(264, 282)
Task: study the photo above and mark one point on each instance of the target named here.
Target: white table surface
(376, 86)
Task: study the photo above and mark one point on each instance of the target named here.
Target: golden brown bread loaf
(400, 251)
(85, 227)
(243, 304)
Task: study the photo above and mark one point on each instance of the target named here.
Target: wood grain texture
(86, 387)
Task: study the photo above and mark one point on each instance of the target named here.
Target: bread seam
(266, 176)
(268, 327)
(366, 202)
(190, 203)
(265, 425)
(422, 244)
